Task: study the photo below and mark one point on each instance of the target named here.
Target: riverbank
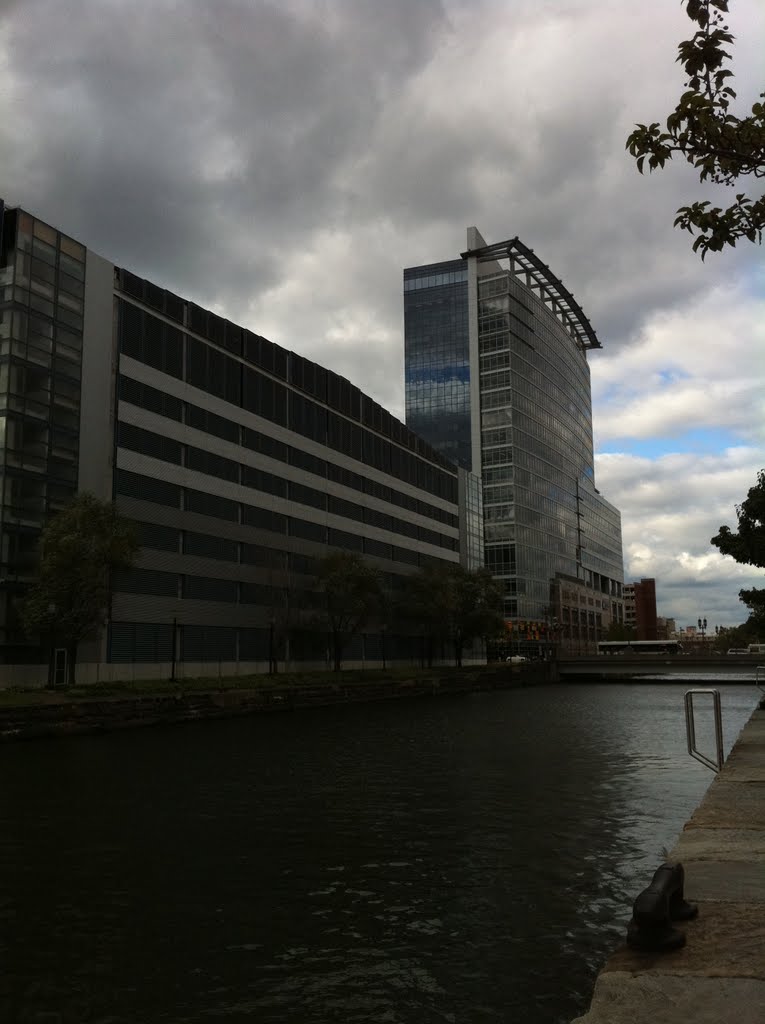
(42, 713)
(719, 975)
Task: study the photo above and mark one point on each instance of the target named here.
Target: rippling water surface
(461, 859)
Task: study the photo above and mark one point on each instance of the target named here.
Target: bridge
(705, 668)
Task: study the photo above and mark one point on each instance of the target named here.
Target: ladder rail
(690, 728)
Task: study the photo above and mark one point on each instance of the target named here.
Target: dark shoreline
(61, 715)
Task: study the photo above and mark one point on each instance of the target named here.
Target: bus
(756, 649)
(640, 647)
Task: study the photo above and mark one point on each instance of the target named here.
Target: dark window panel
(174, 307)
(140, 642)
(157, 537)
(214, 465)
(204, 588)
(210, 546)
(131, 284)
(145, 397)
(135, 485)
(264, 444)
(260, 480)
(308, 531)
(158, 446)
(145, 581)
(208, 643)
(307, 495)
(264, 519)
(346, 541)
(211, 505)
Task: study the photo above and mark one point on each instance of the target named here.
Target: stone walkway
(719, 975)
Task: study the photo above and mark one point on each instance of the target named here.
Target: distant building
(497, 380)
(665, 628)
(640, 609)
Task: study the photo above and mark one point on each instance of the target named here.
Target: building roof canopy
(524, 262)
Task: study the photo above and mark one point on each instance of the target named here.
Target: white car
(516, 659)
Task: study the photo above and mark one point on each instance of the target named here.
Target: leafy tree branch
(721, 146)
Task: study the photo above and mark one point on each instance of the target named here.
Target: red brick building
(640, 608)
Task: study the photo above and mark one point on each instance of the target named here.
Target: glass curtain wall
(42, 290)
(437, 358)
(536, 440)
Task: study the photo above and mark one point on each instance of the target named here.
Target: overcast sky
(281, 162)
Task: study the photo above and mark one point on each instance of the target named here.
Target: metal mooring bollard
(656, 908)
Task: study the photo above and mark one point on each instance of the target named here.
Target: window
(211, 423)
(208, 546)
(160, 538)
(146, 442)
(308, 531)
(263, 519)
(203, 588)
(146, 397)
(145, 581)
(140, 642)
(211, 505)
(307, 495)
(212, 464)
(346, 541)
(260, 480)
(208, 643)
(134, 485)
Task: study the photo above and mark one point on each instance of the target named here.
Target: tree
(80, 547)
(748, 546)
(721, 146)
(453, 604)
(350, 593)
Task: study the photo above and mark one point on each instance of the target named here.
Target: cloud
(282, 162)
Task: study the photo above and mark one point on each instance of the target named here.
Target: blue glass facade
(437, 358)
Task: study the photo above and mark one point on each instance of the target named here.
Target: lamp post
(51, 646)
(271, 659)
(702, 630)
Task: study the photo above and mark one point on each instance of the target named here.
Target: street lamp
(52, 609)
(271, 659)
(702, 630)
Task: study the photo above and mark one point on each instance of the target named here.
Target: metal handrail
(690, 729)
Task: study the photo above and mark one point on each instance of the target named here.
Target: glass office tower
(497, 379)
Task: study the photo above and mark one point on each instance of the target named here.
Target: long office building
(242, 463)
(497, 380)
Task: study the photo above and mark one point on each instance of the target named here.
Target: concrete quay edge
(719, 975)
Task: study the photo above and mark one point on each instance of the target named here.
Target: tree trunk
(337, 650)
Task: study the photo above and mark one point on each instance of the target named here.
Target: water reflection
(466, 859)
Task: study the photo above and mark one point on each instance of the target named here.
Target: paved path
(719, 975)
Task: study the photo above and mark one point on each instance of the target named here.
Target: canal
(460, 859)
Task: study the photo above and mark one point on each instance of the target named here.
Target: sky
(281, 162)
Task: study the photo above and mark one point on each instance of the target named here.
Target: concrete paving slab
(725, 940)
(729, 844)
(728, 882)
(731, 805)
(741, 772)
(657, 999)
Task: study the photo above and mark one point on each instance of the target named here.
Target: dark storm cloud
(282, 161)
(199, 142)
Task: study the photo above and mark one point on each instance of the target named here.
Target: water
(462, 859)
